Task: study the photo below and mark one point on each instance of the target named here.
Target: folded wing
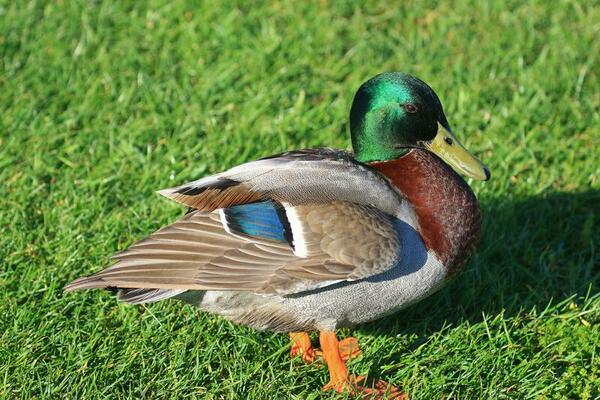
(283, 225)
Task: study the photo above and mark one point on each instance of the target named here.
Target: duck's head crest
(394, 112)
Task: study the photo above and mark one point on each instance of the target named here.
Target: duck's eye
(410, 108)
(448, 140)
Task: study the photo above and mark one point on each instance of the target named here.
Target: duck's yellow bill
(449, 149)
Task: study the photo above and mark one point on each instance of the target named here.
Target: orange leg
(301, 347)
(338, 373)
(341, 381)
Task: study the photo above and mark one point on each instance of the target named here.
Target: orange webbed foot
(352, 385)
(380, 390)
(349, 348)
(301, 347)
(334, 353)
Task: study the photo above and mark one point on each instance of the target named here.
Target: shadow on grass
(533, 251)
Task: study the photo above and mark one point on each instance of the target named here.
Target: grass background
(102, 103)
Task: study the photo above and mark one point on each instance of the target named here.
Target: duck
(319, 239)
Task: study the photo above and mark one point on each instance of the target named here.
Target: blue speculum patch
(256, 219)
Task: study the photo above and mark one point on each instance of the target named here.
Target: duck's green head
(394, 112)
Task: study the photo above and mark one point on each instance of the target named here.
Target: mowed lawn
(103, 103)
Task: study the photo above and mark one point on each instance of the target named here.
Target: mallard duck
(320, 239)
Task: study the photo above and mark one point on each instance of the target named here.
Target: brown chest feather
(448, 213)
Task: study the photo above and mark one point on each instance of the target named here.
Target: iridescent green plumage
(382, 126)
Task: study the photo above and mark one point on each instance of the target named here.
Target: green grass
(102, 104)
